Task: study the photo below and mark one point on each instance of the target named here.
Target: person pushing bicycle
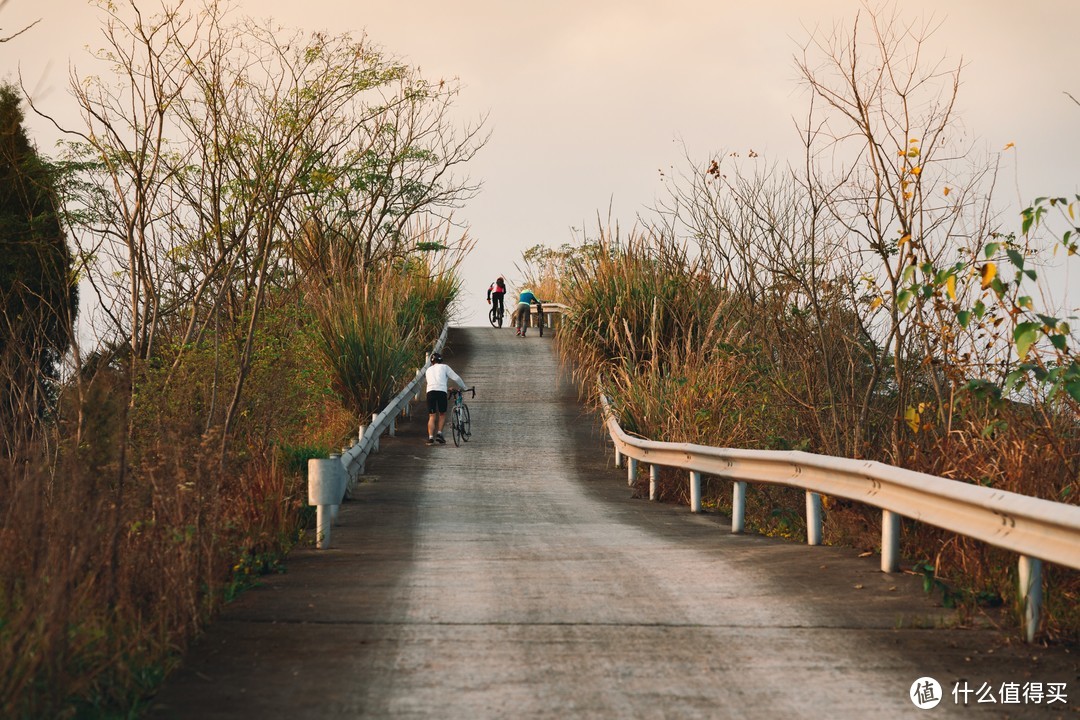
(526, 299)
(495, 294)
(437, 378)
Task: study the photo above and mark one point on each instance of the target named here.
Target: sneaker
(430, 441)
(519, 333)
(440, 439)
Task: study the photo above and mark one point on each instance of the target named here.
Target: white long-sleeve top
(437, 376)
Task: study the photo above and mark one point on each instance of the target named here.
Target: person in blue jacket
(526, 300)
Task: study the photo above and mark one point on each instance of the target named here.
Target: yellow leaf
(907, 196)
(950, 287)
(916, 171)
(876, 303)
(946, 191)
(913, 152)
(911, 416)
(905, 239)
(1009, 145)
(913, 140)
(989, 271)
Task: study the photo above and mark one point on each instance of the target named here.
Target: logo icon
(925, 693)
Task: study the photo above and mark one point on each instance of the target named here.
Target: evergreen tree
(38, 296)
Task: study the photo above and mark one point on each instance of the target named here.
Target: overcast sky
(589, 99)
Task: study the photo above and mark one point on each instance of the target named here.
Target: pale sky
(588, 99)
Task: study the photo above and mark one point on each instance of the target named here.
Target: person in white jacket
(437, 377)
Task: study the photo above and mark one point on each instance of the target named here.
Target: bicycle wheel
(493, 317)
(540, 321)
(455, 425)
(466, 423)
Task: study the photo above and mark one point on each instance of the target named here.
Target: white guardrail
(1039, 530)
(551, 309)
(329, 478)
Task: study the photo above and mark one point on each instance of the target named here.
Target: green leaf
(1059, 341)
(979, 310)
(963, 317)
(991, 249)
(908, 273)
(1073, 388)
(1024, 301)
(1014, 379)
(1031, 274)
(1048, 320)
(1025, 336)
(983, 389)
(1015, 258)
(903, 299)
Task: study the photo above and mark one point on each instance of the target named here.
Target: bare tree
(837, 261)
(397, 165)
(914, 197)
(220, 152)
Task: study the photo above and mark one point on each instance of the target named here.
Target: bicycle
(460, 422)
(540, 318)
(495, 316)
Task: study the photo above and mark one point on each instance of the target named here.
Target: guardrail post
(1030, 575)
(654, 479)
(813, 518)
(890, 541)
(738, 507)
(360, 438)
(618, 458)
(339, 493)
(375, 436)
(631, 471)
(393, 426)
(325, 487)
(695, 491)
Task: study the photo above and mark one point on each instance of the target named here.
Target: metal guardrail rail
(1038, 530)
(329, 478)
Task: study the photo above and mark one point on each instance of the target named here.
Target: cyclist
(526, 299)
(437, 377)
(495, 293)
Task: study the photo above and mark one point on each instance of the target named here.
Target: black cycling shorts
(436, 401)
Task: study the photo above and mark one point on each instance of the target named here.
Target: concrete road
(516, 577)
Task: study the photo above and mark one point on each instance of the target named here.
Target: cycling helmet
(436, 357)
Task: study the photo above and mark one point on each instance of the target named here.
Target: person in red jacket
(495, 294)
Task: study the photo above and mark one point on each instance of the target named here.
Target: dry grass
(123, 568)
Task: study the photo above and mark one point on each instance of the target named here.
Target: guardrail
(330, 478)
(551, 309)
(1038, 530)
